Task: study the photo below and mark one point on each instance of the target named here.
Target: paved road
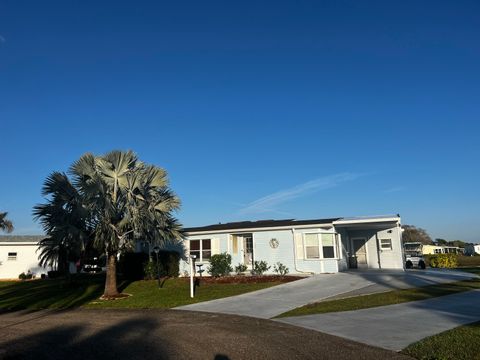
(396, 326)
(157, 334)
(271, 302)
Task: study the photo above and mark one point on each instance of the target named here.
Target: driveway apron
(394, 327)
(273, 301)
(268, 303)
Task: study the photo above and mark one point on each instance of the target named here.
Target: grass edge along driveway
(384, 298)
(457, 344)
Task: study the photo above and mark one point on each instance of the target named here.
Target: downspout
(295, 256)
(378, 251)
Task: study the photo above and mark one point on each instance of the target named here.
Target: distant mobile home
(304, 246)
(18, 253)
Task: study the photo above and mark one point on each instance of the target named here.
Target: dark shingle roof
(259, 224)
(21, 238)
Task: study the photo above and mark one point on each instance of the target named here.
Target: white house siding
(27, 259)
(291, 250)
(262, 251)
(283, 253)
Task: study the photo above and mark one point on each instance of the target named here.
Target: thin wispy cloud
(2, 39)
(268, 203)
(394, 189)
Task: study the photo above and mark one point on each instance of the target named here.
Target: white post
(191, 277)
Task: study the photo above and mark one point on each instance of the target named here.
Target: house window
(386, 244)
(328, 246)
(312, 249)
(320, 246)
(202, 249)
(12, 256)
(437, 251)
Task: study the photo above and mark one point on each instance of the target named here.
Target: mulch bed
(246, 279)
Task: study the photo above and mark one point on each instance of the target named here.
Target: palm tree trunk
(111, 278)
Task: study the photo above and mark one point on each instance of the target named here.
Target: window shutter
(235, 244)
(299, 246)
(215, 246)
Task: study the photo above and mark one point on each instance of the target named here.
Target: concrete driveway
(268, 303)
(394, 327)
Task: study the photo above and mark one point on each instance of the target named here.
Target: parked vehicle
(413, 255)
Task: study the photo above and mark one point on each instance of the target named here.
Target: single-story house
(472, 249)
(440, 249)
(18, 253)
(304, 246)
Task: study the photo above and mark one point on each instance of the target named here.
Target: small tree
(240, 268)
(280, 269)
(220, 265)
(260, 267)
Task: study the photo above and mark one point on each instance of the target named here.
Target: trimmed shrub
(260, 267)
(136, 266)
(280, 269)
(442, 260)
(131, 265)
(240, 268)
(220, 265)
(26, 276)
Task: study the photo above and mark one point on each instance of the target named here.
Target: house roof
(263, 224)
(259, 224)
(21, 238)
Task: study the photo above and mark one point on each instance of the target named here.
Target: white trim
(363, 221)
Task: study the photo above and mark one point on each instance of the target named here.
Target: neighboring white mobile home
(304, 246)
(19, 254)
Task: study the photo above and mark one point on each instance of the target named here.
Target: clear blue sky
(257, 109)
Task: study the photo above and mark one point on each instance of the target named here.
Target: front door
(360, 252)
(248, 250)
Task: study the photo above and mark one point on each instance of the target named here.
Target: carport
(371, 243)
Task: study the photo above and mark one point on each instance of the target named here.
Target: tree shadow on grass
(54, 293)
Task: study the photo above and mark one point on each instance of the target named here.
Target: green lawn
(84, 290)
(456, 344)
(385, 298)
(175, 292)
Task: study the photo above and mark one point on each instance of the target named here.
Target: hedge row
(136, 266)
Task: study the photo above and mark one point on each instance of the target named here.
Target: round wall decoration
(273, 243)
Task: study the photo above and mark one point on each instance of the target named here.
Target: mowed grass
(175, 292)
(85, 290)
(50, 294)
(456, 344)
(385, 298)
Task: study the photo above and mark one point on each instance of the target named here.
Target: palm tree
(64, 219)
(5, 224)
(127, 200)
